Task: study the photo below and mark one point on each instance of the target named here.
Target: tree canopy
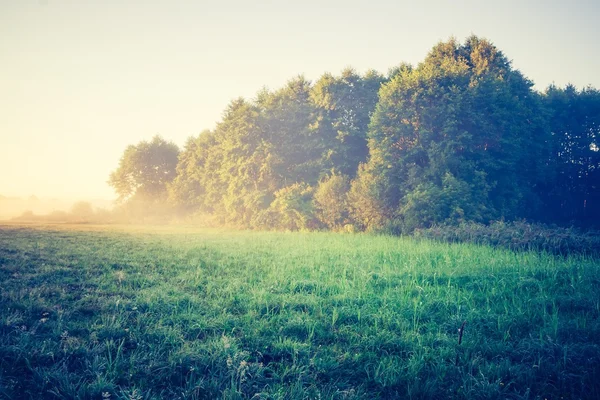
(145, 169)
(457, 138)
(463, 136)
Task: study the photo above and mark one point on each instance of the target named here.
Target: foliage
(188, 189)
(456, 138)
(366, 208)
(573, 192)
(343, 108)
(461, 137)
(292, 209)
(518, 235)
(145, 169)
(286, 118)
(330, 198)
(243, 170)
(455, 202)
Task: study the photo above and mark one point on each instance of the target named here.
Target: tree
(229, 172)
(460, 137)
(145, 170)
(573, 192)
(82, 210)
(344, 106)
(189, 188)
(286, 117)
(465, 122)
(246, 163)
(264, 146)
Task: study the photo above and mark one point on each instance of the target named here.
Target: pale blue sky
(80, 80)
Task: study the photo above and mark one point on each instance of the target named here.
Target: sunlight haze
(79, 81)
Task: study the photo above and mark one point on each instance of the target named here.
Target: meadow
(89, 312)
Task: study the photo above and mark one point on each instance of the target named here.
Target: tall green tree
(188, 190)
(286, 117)
(343, 111)
(246, 163)
(462, 122)
(229, 172)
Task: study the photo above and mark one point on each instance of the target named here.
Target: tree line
(463, 136)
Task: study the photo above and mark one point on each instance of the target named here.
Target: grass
(149, 313)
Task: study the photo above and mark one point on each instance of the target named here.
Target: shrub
(331, 201)
(518, 235)
(291, 210)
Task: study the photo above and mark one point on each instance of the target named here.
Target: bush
(331, 201)
(367, 211)
(291, 210)
(518, 235)
(81, 211)
(456, 201)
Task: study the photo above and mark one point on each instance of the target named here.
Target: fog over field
(11, 207)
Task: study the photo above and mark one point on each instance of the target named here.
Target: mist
(14, 207)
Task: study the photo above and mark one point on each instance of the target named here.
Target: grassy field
(151, 313)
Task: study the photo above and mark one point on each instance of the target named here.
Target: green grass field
(151, 313)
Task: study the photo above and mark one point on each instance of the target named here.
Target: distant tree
(82, 210)
(103, 215)
(144, 170)
(26, 216)
(58, 216)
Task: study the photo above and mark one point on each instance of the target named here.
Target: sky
(81, 80)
